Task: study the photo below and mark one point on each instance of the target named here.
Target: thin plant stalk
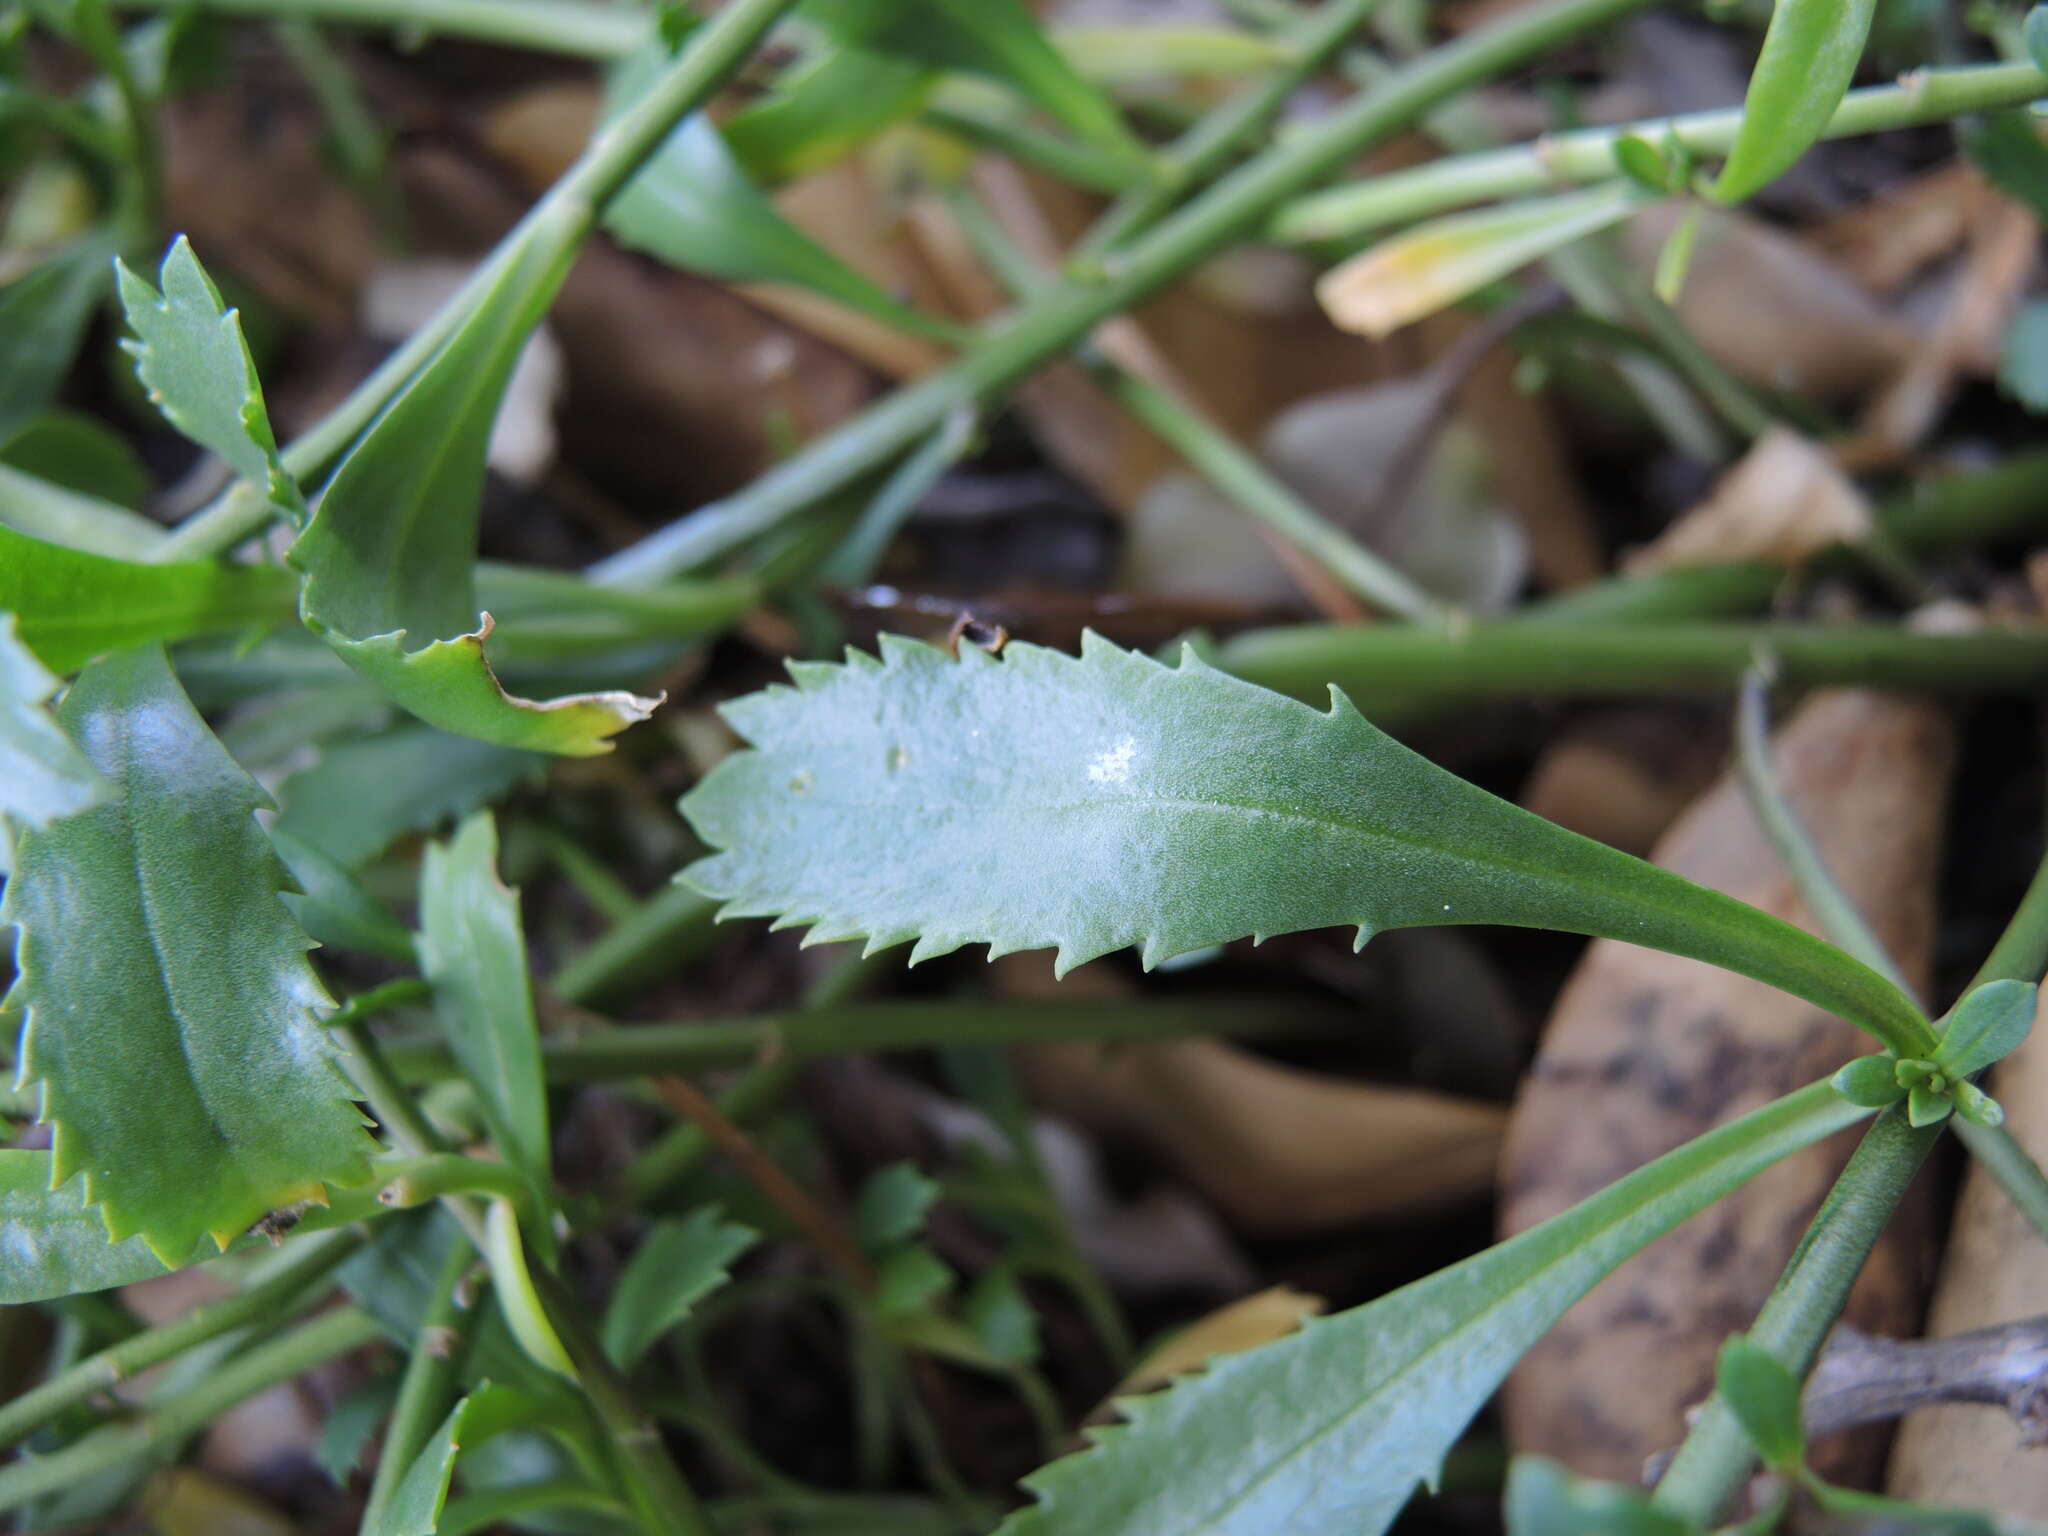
(573, 30)
(1717, 1455)
(308, 1261)
(1830, 905)
(1352, 211)
(428, 1389)
(1208, 449)
(645, 1050)
(1207, 147)
(1067, 311)
(159, 1432)
(562, 218)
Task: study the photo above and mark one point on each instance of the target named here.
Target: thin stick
(768, 1176)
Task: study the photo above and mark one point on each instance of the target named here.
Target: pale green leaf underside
(1333, 1428)
(1088, 804)
(472, 950)
(159, 968)
(42, 775)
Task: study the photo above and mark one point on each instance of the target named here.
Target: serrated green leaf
(473, 952)
(192, 358)
(74, 606)
(1544, 1499)
(1810, 53)
(43, 316)
(892, 1206)
(693, 206)
(77, 453)
(56, 514)
(2023, 357)
(42, 775)
(1354, 1411)
(1986, 1026)
(366, 793)
(160, 910)
(52, 1243)
(1088, 804)
(824, 110)
(1432, 266)
(1870, 1081)
(996, 38)
(677, 1264)
(1764, 1397)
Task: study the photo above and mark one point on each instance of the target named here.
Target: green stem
(381, 999)
(642, 1050)
(307, 1262)
(1226, 465)
(1208, 146)
(438, 1175)
(658, 1493)
(1066, 312)
(1717, 1456)
(158, 1434)
(1934, 518)
(1824, 897)
(428, 1389)
(1349, 212)
(548, 26)
(1387, 668)
(663, 933)
(2021, 954)
(1015, 136)
(560, 221)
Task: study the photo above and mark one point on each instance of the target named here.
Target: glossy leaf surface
(1810, 54)
(1088, 804)
(472, 950)
(42, 775)
(1334, 1427)
(74, 606)
(677, 1264)
(159, 967)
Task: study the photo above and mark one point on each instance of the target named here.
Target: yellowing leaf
(1436, 264)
